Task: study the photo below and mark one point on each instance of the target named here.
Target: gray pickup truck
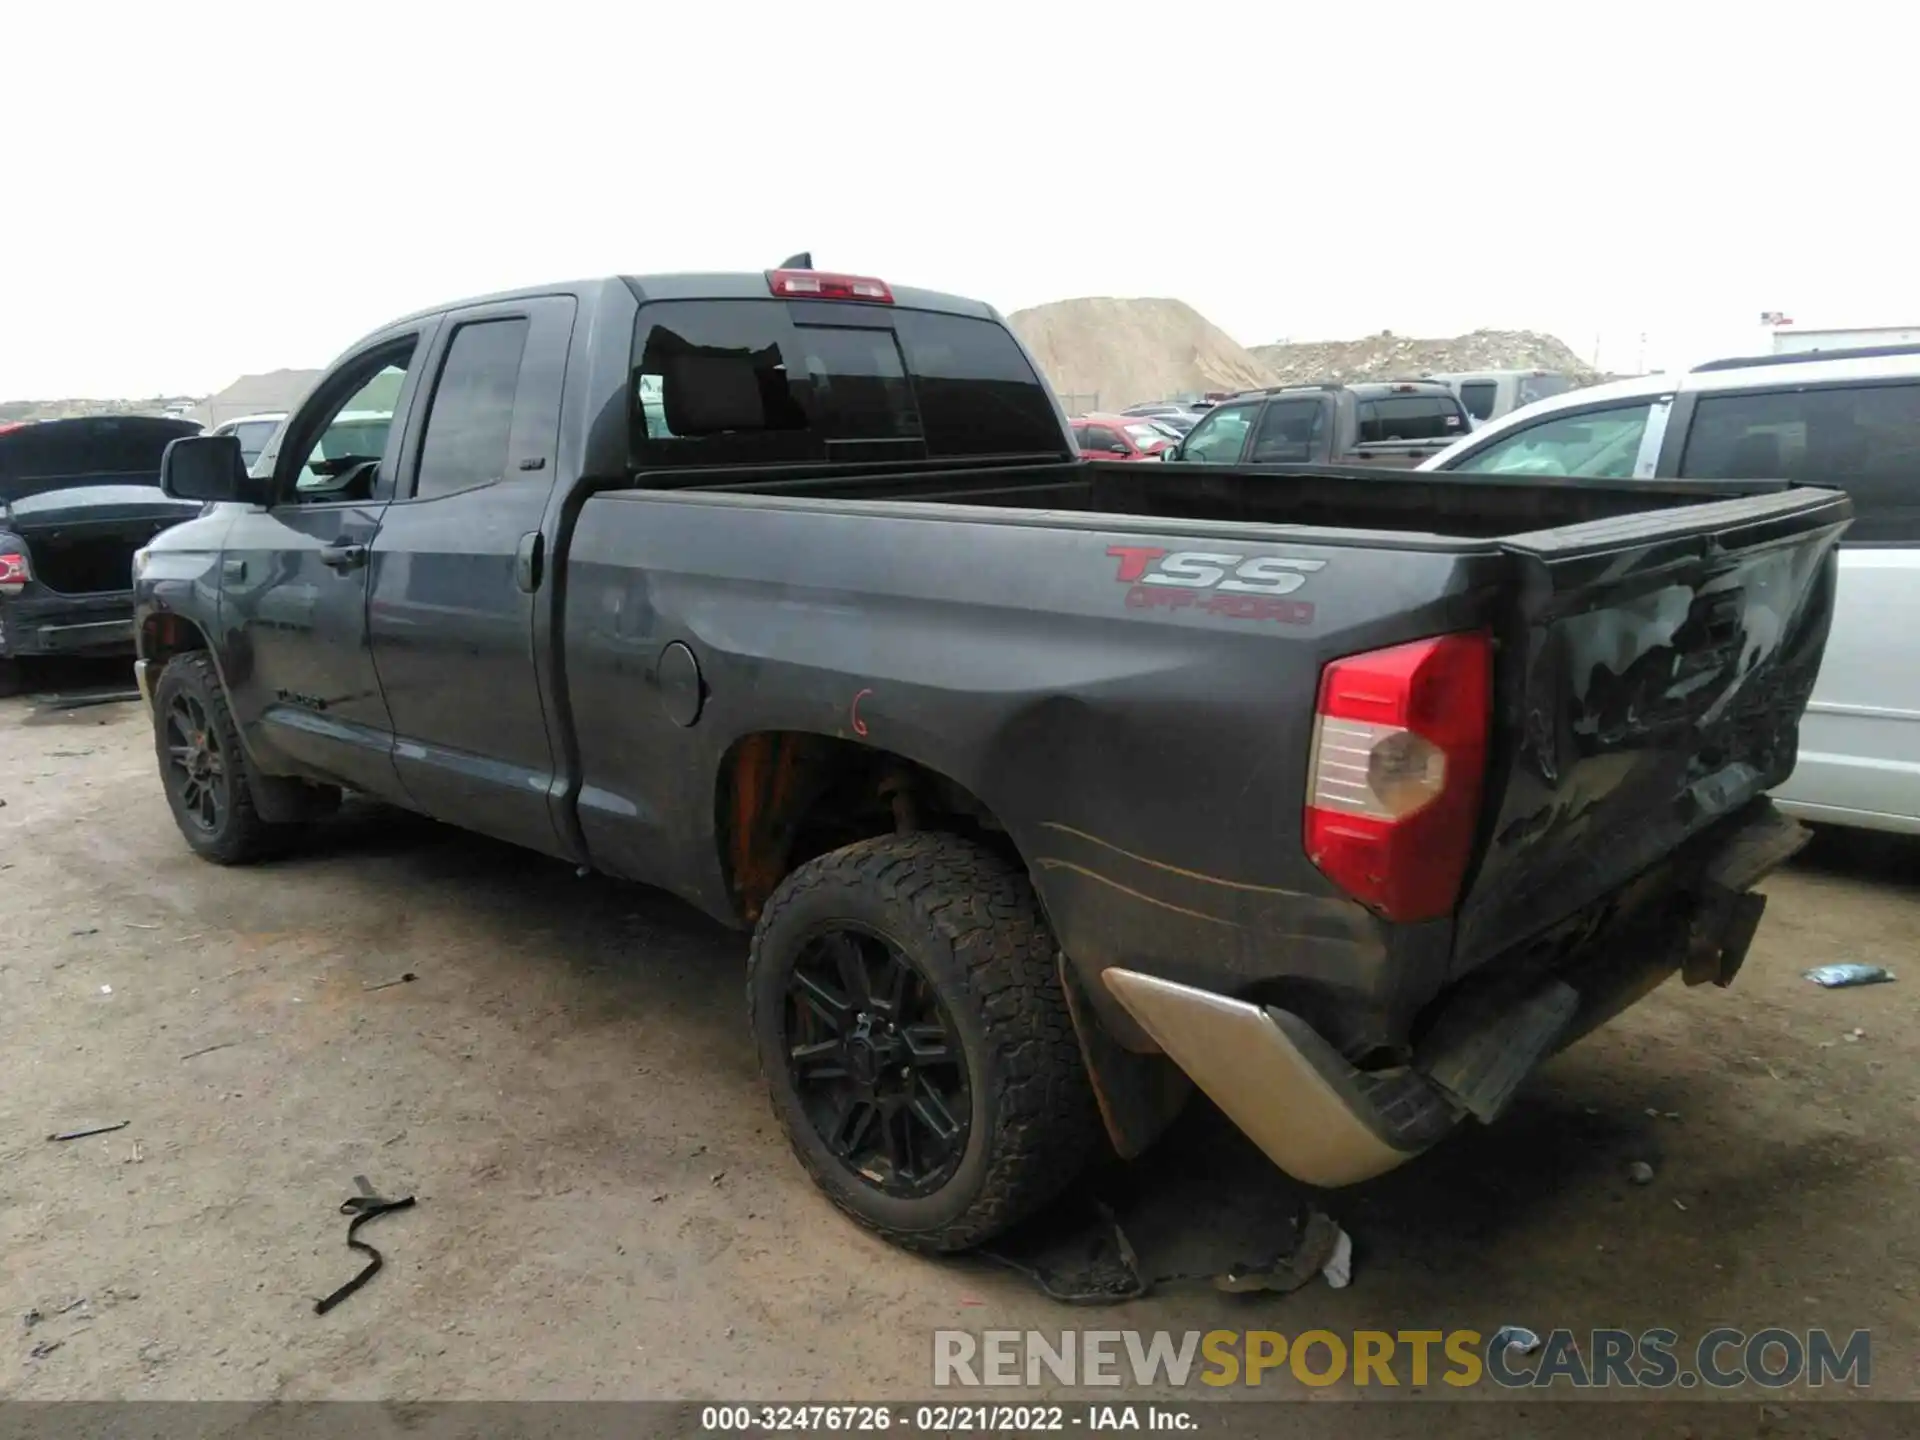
(1047, 788)
(1383, 422)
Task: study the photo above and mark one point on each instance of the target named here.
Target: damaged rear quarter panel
(1147, 760)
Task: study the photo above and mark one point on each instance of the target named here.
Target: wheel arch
(783, 797)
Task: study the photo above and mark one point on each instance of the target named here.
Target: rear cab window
(1864, 439)
(1410, 417)
(1479, 397)
(753, 382)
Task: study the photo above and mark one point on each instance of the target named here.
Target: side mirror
(1172, 452)
(1118, 450)
(208, 467)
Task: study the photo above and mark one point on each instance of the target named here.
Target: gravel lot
(607, 1210)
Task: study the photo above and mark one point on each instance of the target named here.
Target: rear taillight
(1394, 785)
(13, 572)
(819, 285)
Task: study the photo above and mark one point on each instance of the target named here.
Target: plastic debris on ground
(1838, 977)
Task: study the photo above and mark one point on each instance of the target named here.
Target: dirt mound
(1387, 356)
(1102, 354)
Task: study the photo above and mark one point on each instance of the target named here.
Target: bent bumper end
(1314, 1115)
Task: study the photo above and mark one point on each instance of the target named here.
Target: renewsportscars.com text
(1656, 1359)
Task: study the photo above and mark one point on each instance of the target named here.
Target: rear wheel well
(785, 797)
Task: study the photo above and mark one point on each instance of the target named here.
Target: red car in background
(1120, 437)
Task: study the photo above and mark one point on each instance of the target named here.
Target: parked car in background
(1391, 423)
(1844, 418)
(1121, 437)
(252, 431)
(77, 498)
(1489, 394)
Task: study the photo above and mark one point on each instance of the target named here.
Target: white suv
(1847, 418)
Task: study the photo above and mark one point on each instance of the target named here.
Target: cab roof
(717, 285)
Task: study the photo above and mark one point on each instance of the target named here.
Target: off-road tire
(970, 923)
(241, 837)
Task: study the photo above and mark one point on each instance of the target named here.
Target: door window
(1599, 444)
(348, 446)
(1289, 432)
(1862, 439)
(1220, 437)
(472, 414)
(1101, 439)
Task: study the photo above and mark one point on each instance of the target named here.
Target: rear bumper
(43, 623)
(1327, 1123)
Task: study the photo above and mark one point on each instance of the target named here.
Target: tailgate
(1651, 682)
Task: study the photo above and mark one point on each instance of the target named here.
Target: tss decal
(1240, 587)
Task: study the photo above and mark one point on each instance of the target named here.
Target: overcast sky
(191, 191)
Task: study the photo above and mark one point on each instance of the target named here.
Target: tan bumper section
(1262, 1078)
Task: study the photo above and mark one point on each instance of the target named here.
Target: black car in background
(77, 498)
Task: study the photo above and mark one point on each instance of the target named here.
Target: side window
(472, 410)
(342, 449)
(1102, 439)
(1861, 439)
(1478, 396)
(1288, 432)
(1220, 437)
(1410, 417)
(1079, 436)
(1600, 444)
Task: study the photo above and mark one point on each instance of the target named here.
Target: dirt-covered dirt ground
(607, 1210)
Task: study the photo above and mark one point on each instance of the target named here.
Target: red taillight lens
(1394, 785)
(13, 572)
(819, 285)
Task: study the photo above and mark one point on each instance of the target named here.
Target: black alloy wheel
(876, 1061)
(198, 769)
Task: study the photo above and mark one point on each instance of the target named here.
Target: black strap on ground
(363, 1207)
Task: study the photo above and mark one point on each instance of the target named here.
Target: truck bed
(1655, 646)
(1384, 502)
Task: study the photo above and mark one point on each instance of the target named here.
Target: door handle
(343, 555)
(526, 561)
(235, 570)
